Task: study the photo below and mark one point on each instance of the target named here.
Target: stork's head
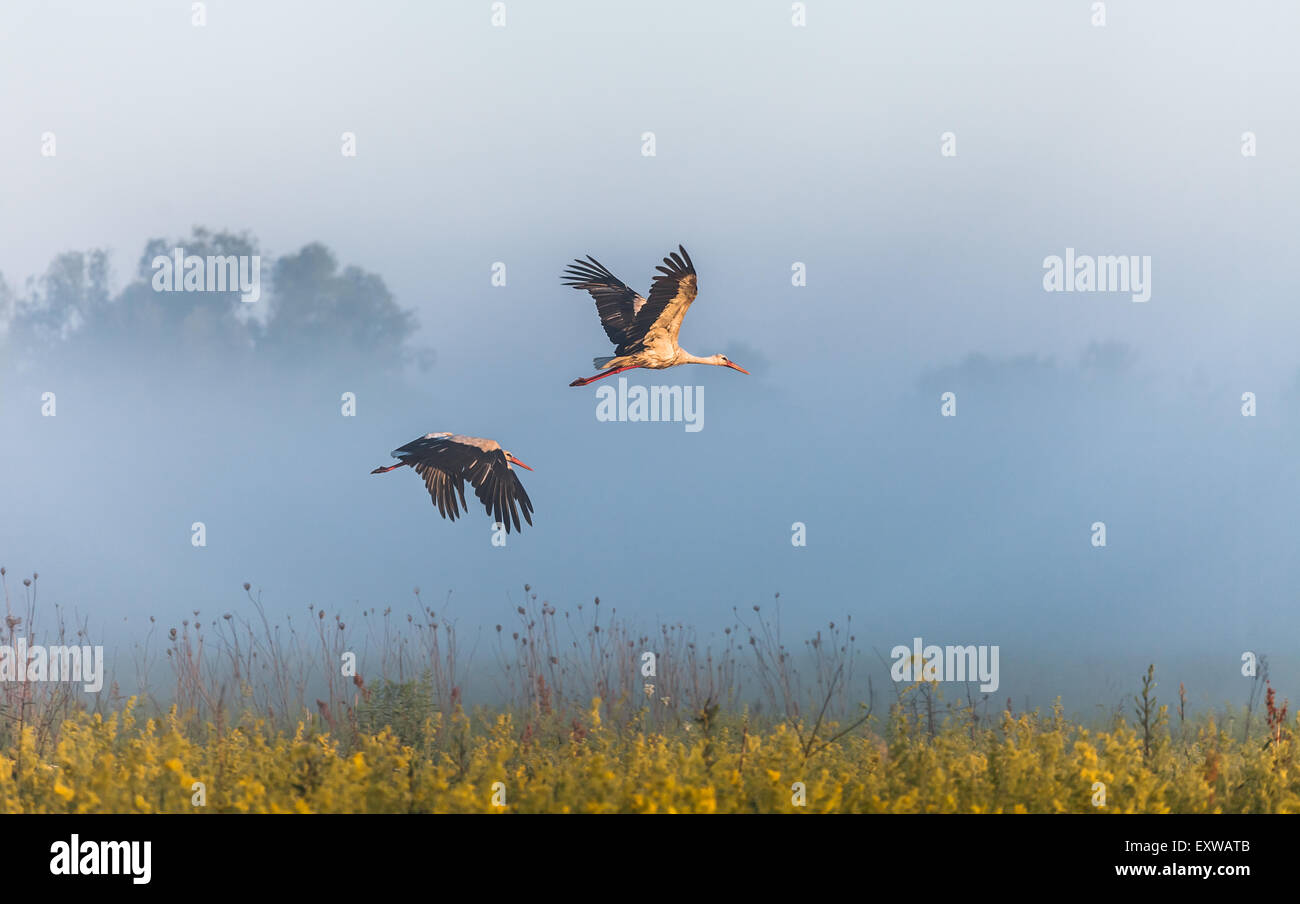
(724, 361)
(514, 461)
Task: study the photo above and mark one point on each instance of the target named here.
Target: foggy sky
(774, 145)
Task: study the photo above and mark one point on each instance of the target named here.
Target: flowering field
(599, 717)
(499, 763)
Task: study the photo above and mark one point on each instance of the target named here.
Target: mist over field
(523, 146)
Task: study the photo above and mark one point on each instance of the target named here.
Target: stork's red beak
(515, 461)
(735, 366)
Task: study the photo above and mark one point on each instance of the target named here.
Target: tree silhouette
(318, 309)
(310, 313)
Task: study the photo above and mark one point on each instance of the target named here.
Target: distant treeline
(305, 309)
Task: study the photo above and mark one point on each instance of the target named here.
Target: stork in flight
(446, 461)
(643, 330)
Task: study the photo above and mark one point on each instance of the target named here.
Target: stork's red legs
(400, 464)
(609, 373)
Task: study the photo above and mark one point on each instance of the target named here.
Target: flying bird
(643, 330)
(446, 461)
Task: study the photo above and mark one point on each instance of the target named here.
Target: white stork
(446, 461)
(644, 330)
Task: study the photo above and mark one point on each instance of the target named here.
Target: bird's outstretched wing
(444, 488)
(446, 462)
(670, 296)
(616, 303)
(497, 486)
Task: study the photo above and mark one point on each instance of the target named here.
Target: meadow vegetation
(258, 716)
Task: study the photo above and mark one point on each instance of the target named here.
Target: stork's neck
(685, 357)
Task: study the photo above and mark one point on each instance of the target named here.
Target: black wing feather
(616, 303)
(445, 465)
(502, 494)
(677, 279)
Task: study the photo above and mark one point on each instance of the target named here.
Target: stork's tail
(602, 363)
